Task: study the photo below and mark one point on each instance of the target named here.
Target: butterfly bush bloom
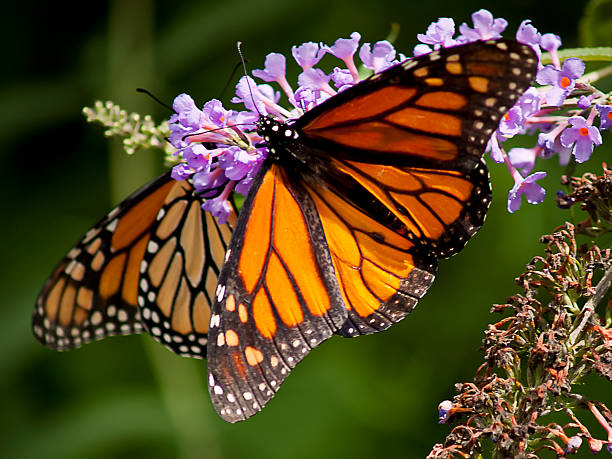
(219, 149)
(562, 81)
(527, 186)
(582, 137)
(560, 133)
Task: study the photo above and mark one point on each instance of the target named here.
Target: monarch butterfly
(340, 232)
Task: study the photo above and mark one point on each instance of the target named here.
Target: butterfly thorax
(279, 137)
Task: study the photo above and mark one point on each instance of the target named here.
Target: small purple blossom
(529, 35)
(605, 116)
(497, 154)
(342, 78)
(379, 57)
(583, 102)
(445, 409)
(485, 27)
(219, 207)
(582, 136)
(573, 445)
(314, 79)
(527, 186)
(181, 172)
(345, 49)
(512, 122)
(439, 34)
(530, 102)
(550, 42)
(274, 68)
(562, 81)
(308, 54)
(523, 158)
(248, 94)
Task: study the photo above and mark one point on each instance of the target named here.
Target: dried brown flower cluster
(556, 333)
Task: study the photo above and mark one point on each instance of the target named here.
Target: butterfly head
(274, 132)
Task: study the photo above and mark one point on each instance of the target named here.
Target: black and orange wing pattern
(359, 197)
(277, 296)
(130, 272)
(407, 153)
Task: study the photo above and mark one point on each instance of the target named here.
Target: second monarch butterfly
(340, 232)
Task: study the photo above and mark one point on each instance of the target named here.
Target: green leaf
(601, 54)
(595, 27)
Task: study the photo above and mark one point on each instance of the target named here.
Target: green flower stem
(596, 75)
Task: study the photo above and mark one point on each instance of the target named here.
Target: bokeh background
(129, 397)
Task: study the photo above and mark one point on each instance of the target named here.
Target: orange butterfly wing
(354, 205)
(277, 297)
(101, 287)
(406, 174)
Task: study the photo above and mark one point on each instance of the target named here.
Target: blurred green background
(129, 397)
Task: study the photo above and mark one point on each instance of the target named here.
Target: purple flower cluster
(219, 149)
(222, 152)
(565, 134)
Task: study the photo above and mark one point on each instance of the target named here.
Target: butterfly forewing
(276, 299)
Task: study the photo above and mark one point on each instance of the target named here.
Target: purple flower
(583, 136)
(512, 122)
(247, 93)
(342, 78)
(528, 34)
(550, 142)
(527, 186)
(181, 172)
(550, 42)
(215, 113)
(583, 102)
(497, 154)
(219, 207)
(605, 116)
(307, 55)
(573, 445)
(530, 102)
(439, 34)
(445, 409)
(313, 79)
(187, 114)
(523, 158)
(379, 57)
(562, 81)
(197, 157)
(344, 49)
(485, 27)
(421, 49)
(236, 162)
(274, 68)
(207, 181)
(307, 98)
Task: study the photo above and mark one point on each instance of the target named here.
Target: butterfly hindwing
(276, 299)
(179, 272)
(102, 285)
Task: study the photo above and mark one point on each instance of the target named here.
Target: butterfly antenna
(231, 77)
(150, 94)
(239, 46)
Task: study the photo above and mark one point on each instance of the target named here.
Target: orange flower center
(507, 117)
(565, 82)
(609, 116)
(584, 131)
